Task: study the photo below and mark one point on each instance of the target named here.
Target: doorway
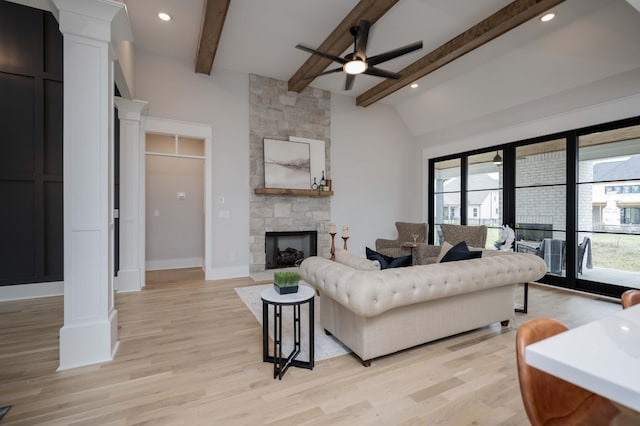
(177, 171)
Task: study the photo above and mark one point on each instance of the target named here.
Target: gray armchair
(474, 236)
(405, 230)
(422, 253)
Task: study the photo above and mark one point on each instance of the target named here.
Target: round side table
(411, 245)
(270, 296)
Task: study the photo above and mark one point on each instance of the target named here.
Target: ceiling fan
(357, 62)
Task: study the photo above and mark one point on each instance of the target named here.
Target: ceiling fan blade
(362, 39)
(311, 77)
(392, 54)
(348, 83)
(337, 59)
(382, 73)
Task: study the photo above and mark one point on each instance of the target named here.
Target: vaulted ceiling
(589, 53)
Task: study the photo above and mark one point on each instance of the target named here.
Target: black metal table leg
(265, 331)
(280, 363)
(525, 306)
(312, 320)
(277, 341)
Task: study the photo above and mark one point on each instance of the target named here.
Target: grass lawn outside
(614, 251)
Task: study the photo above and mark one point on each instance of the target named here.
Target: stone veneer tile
(276, 113)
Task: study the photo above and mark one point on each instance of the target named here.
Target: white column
(132, 205)
(90, 331)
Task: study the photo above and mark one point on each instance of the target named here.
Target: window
(541, 194)
(573, 199)
(609, 204)
(446, 195)
(630, 215)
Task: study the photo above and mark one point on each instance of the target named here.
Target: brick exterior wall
(542, 204)
(547, 204)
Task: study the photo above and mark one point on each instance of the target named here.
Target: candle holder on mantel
(345, 242)
(333, 245)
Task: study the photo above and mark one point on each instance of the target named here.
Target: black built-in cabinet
(31, 103)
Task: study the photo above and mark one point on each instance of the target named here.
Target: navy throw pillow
(387, 262)
(460, 252)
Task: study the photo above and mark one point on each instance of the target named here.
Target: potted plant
(286, 282)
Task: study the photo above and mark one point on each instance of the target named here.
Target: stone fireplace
(289, 248)
(276, 113)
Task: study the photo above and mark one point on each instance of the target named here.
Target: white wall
(175, 91)
(175, 236)
(618, 109)
(375, 169)
(375, 166)
(124, 69)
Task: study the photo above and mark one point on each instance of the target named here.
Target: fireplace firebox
(289, 248)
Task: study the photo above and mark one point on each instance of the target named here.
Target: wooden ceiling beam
(339, 40)
(213, 17)
(506, 19)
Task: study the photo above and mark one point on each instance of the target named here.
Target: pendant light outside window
(497, 160)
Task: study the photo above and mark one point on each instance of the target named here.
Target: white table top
(304, 293)
(602, 356)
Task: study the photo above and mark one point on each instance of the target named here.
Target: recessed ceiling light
(164, 16)
(414, 85)
(547, 17)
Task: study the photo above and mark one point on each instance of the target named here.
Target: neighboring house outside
(483, 204)
(616, 199)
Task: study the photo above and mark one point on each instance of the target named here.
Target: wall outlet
(182, 195)
(156, 212)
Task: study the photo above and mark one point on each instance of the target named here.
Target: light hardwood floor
(190, 354)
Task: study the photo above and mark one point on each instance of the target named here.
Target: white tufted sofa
(378, 312)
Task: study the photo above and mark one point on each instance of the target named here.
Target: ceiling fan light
(355, 67)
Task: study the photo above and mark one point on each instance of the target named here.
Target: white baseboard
(89, 342)
(31, 291)
(226, 273)
(129, 280)
(186, 262)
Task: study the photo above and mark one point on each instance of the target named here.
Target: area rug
(325, 346)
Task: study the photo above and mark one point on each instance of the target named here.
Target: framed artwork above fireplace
(286, 164)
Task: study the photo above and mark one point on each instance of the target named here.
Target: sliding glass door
(573, 199)
(608, 232)
(540, 202)
(447, 201)
(484, 193)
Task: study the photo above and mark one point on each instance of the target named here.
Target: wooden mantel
(293, 192)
